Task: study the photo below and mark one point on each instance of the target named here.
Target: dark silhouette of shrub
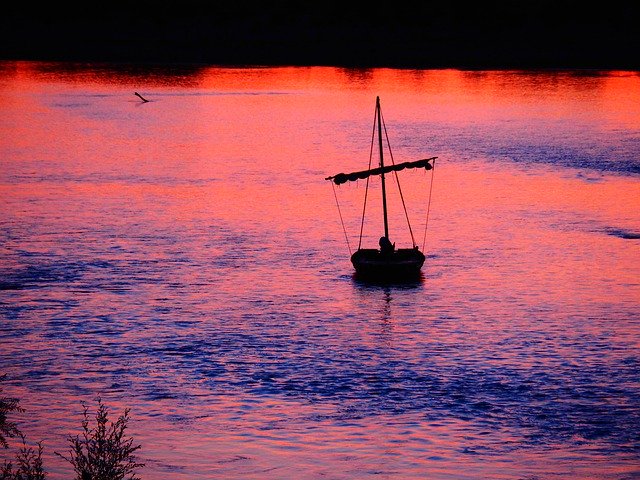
(99, 453)
(8, 429)
(28, 464)
(103, 452)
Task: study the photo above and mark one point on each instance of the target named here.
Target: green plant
(103, 452)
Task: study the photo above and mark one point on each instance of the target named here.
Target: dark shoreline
(499, 35)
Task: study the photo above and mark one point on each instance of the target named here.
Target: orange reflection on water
(189, 262)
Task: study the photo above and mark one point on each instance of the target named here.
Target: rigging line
(340, 214)
(366, 191)
(426, 223)
(406, 214)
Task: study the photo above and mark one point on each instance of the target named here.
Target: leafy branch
(103, 452)
(8, 429)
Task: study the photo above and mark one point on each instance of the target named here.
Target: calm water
(185, 258)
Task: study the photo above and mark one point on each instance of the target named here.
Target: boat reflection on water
(387, 283)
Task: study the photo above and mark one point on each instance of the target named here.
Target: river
(185, 258)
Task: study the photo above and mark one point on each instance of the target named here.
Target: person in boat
(386, 247)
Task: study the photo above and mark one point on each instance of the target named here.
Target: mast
(384, 192)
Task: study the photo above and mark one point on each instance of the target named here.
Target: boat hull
(403, 263)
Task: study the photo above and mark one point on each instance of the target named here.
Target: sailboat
(386, 262)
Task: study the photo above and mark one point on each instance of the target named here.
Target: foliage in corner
(8, 429)
(28, 464)
(103, 452)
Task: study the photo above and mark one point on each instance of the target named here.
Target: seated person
(386, 247)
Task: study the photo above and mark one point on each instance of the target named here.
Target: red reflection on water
(197, 194)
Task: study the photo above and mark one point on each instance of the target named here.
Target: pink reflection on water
(174, 213)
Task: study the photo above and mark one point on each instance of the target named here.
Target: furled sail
(341, 178)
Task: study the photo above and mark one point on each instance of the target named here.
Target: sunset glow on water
(185, 258)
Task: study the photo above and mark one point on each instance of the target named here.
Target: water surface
(185, 258)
